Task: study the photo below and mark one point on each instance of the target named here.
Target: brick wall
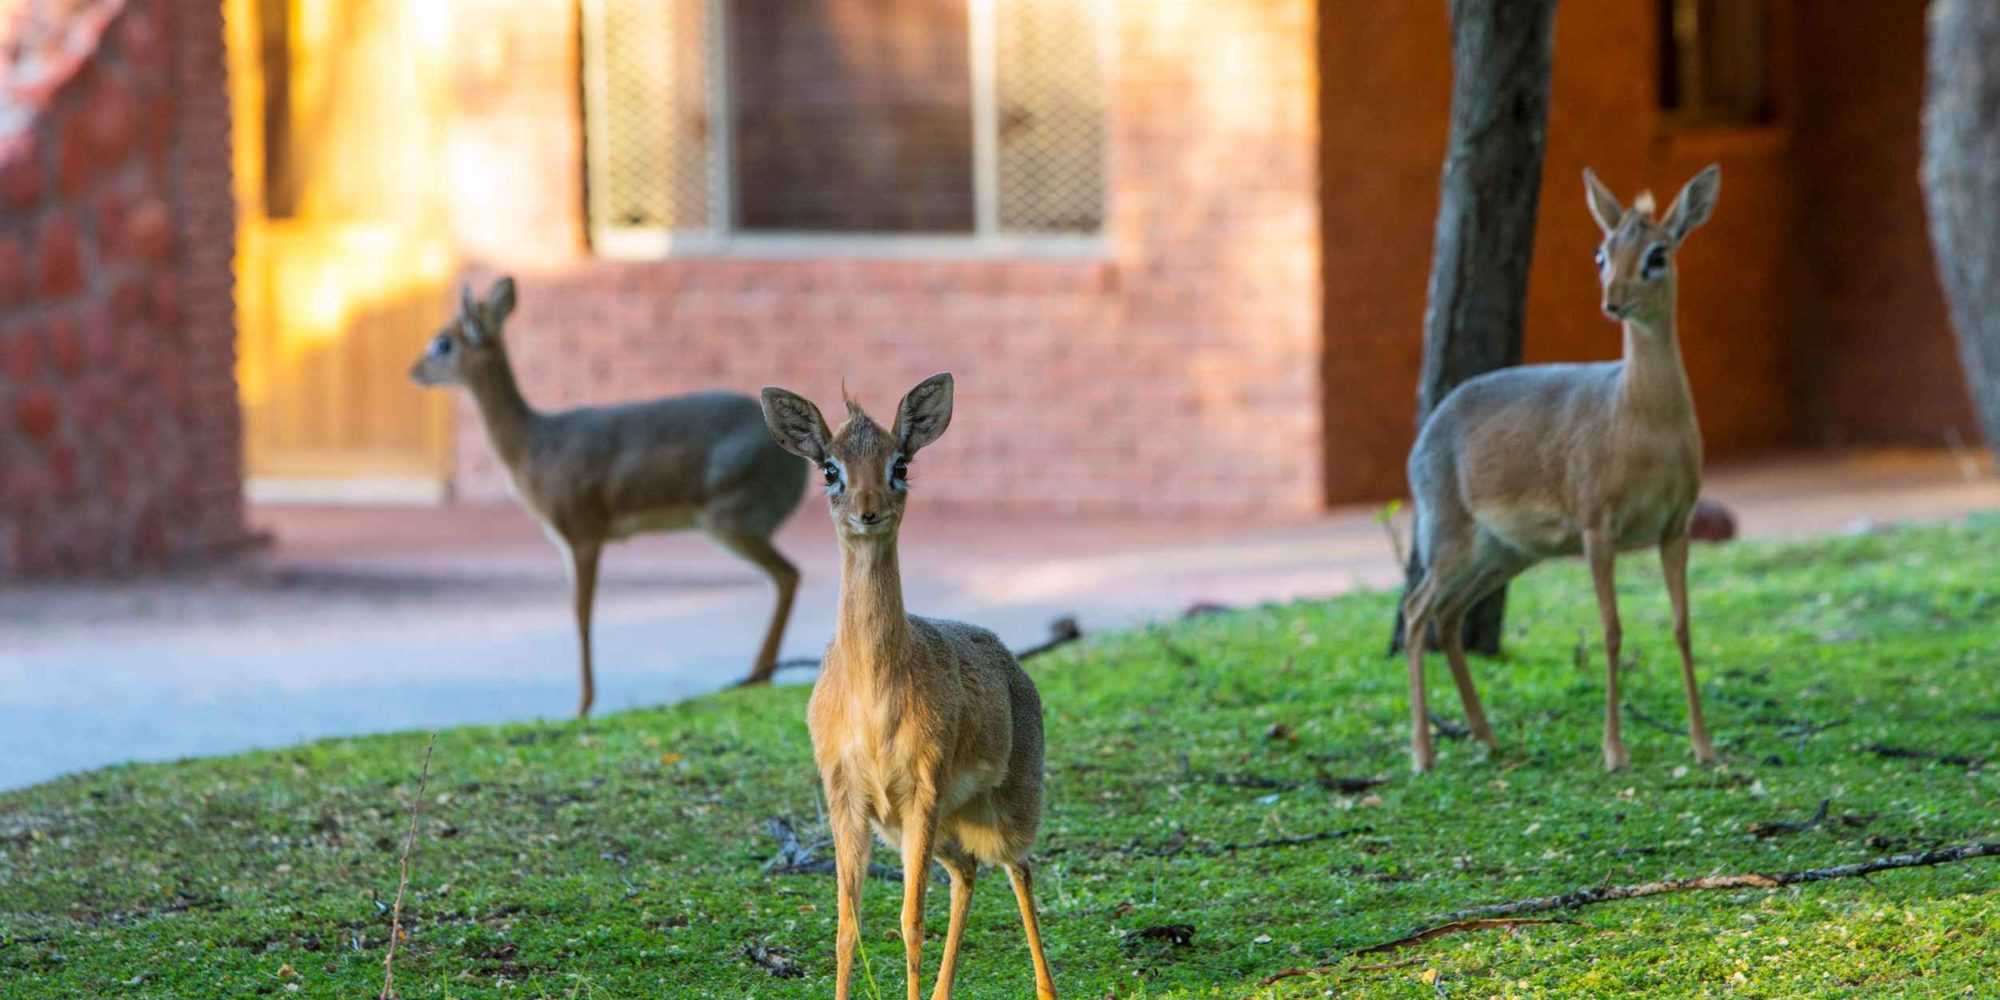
(1178, 372)
(118, 422)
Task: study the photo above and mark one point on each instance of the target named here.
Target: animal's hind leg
(583, 591)
(1451, 635)
(1024, 893)
(963, 869)
(1674, 563)
(784, 577)
(1416, 626)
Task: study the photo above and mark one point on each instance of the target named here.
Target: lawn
(1206, 829)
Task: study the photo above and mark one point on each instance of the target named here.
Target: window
(746, 124)
(1715, 61)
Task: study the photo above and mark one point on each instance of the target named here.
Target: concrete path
(374, 619)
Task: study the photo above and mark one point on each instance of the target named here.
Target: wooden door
(343, 260)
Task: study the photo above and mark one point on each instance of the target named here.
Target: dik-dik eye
(1656, 262)
(831, 473)
(442, 346)
(1598, 259)
(899, 474)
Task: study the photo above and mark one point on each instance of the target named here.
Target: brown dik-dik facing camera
(1536, 461)
(925, 732)
(597, 474)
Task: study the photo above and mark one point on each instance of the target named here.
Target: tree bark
(1500, 56)
(1961, 176)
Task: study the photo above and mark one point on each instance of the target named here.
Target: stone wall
(119, 433)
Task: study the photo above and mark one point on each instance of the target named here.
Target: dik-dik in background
(594, 475)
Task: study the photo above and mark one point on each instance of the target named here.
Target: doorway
(343, 259)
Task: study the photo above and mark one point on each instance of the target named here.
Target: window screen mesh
(646, 95)
(1051, 115)
(651, 146)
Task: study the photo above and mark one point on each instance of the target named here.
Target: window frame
(722, 236)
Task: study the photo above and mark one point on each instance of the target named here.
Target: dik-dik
(1526, 463)
(598, 474)
(925, 731)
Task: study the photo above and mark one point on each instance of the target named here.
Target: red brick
(37, 412)
(76, 162)
(107, 118)
(149, 230)
(59, 258)
(21, 173)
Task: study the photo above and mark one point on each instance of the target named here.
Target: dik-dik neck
(503, 410)
(873, 630)
(1654, 382)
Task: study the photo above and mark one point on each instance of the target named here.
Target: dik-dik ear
(468, 314)
(795, 424)
(924, 413)
(1694, 204)
(1603, 204)
(500, 300)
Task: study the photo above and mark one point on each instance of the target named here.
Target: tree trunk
(1961, 175)
(1500, 56)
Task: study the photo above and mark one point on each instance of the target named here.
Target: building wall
(119, 433)
(1385, 99)
(1176, 372)
(1871, 349)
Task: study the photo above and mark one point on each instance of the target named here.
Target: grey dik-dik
(594, 475)
(926, 732)
(1526, 463)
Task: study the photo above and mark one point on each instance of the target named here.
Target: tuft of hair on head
(1644, 204)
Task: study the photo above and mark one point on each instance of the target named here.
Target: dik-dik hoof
(1706, 755)
(1422, 760)
(1615, 758)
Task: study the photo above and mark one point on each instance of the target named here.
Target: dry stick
(403, 882)
(1509, 914)
(1606, 894)
(1417, 938)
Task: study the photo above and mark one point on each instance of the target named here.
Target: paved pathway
(373, 619)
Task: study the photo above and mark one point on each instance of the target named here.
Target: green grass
(625, 857)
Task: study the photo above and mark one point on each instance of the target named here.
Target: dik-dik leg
(852, 845)
(785, 578)
(1023, 878)
(1601, 553)
(1416, 628)
(963, 869)
(920, 822)
(1674, 563)
(583, 588)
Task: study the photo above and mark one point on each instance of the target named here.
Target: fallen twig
(1606, 894)
(1344, 785)
(1779, 828)
(403, 881)
(1062, 632)
(1448, 729)
(1458, 927)
(772, 961)
(796, 858)
(1509, 914)
(1906, 753)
